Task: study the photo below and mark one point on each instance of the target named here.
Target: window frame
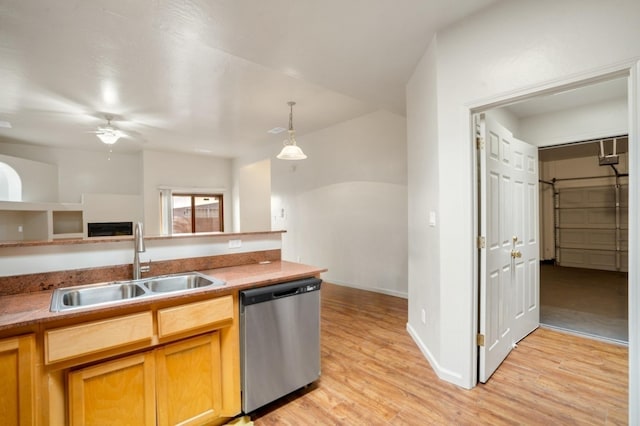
(193, 196)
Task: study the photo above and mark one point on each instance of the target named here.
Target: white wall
(586, 122)
(110, 174)
(599, 120)
(39, 180)
(423, 194)
(83, 171)
(196, 173)
(510, 47)
(112, 208)
(345, 207)
(50, 258)
(254, 196)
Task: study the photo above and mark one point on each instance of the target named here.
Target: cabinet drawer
(189, 317)
(73, 341)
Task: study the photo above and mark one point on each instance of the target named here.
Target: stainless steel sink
(180, 282)
(121, 291)
(102, 294)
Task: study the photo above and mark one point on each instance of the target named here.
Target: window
(193, 213)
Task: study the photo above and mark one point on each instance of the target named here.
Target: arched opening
(10, 184)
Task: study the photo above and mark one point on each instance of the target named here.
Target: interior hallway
(586, 301)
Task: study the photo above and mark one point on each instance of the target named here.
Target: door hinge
(480, 339)
(481, 242)
(479, 142)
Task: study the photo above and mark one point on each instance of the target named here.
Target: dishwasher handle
(279, 291)
(286, 293)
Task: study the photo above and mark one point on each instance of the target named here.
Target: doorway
(551, 120)
(584, 227)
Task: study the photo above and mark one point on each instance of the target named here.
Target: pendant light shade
(291, 151)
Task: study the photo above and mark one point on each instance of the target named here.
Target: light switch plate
(432, 218)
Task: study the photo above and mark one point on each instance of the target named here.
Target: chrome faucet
(138, 247)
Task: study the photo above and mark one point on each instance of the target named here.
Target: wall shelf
(25, 221)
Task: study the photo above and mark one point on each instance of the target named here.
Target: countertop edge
(31, 309)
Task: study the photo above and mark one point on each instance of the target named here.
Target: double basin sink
(119, 291)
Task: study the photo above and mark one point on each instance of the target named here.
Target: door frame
(630, 69)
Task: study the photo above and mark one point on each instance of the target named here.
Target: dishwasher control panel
(311, 287)
(278, 291)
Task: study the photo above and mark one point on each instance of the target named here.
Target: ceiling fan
(109, 134)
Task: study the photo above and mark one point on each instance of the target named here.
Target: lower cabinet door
(17, 381)
(188, 379)
(119, 392)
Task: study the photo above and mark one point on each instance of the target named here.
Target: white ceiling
(591, 94)
(206, 75)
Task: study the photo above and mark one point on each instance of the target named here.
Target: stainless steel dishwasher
(280, 340)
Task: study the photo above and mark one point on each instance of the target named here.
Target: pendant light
(291, 151)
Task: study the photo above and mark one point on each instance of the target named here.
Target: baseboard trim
(374, 289)
(442, 373)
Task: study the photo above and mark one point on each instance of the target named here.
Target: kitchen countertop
(28, 309)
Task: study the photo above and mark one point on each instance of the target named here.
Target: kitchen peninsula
(67, 364)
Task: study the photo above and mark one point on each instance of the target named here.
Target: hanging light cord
(291, 104)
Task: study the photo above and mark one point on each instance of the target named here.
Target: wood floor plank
(374, 374)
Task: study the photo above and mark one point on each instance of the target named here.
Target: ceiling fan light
(108, 138)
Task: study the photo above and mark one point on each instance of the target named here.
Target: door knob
(515, 254)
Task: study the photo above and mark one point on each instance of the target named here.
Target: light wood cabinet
(194, 316)
(17, 380)
(120, 392)
(188, 379)
(97, 336)
(181, 382)
(188, 373)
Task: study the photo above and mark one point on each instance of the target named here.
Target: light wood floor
(373, 374)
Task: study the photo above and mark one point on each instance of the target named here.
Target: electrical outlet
(423, 315)
(235, 243)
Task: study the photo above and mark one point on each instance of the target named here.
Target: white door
(509, 261)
